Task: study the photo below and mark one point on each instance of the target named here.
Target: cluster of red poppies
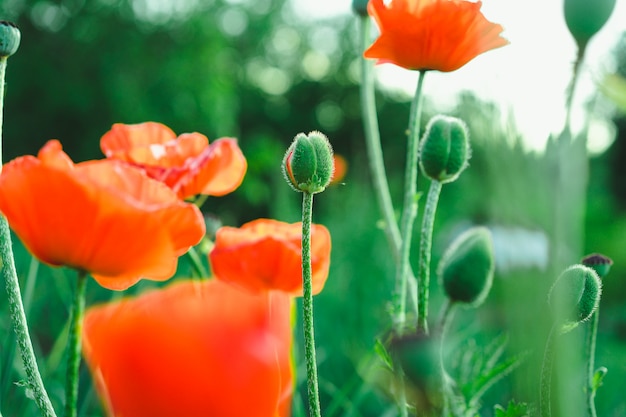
(194, 347)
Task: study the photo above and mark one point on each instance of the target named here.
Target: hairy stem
(426, 240)
(307, 307)
(409, 211)
(375, 155)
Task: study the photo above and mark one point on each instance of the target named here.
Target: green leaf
(512, 410)
(598, 376)
(383, 354)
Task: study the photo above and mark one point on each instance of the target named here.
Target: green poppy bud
(584, 18)
(360, 7)
(575, 295)
(308, 163)
(466, 269)
(9, 38)
(444, 149)
(599, 263)
(418, 356)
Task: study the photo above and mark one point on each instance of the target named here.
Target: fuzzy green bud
(308, 163)
(599, 263)
(9, 38)
(575, 296)
(584, 18)
(444, 149)
(360, 7)
(466, 269)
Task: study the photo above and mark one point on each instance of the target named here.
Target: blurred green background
(249, 69)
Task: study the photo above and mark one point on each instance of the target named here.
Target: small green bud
(575, 295)
(599, 263)
(444, 149)
(308, 163)
(584, 18)
(9, 38)
(466, 269)
(360, 7)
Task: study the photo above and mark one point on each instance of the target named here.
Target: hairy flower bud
(584, 18)
(308, 163)
(575, 295)
(9, 38)
(444, 150)
(466, 269)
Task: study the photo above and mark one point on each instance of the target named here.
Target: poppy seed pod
(444, 150)
(466, 269)
(575, 295)
(585, 18)
(308, 163)
(9, 38)
(599, 263)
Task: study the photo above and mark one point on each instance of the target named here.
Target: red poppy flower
(193, 349)
(100, 216)
(187, 163)
(341, 168)
(440, 35)
(266, 255)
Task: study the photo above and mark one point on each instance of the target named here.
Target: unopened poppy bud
(9, 38)
(360, 7)
(599, 263)
(466, 269)
(444, 150)
(308, 163)
(575, 295)
(584, 18)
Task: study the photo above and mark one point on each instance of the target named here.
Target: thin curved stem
(75, 345)
(580, 57)
(409, 211)
(545, 406)
(307, 307)
(375, 154)
(426, 239)
(592, 332)
(444, 325)
(16, 309)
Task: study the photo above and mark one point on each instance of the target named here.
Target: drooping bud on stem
(308, 163)
(9, 38)
(585, 18)
(444, 149)
(575, 296)
(466, 269)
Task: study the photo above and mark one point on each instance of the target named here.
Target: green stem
(307, 307)
(546, 375)
(196, 263)
(423, 274)
(444, 325)
(375, 154)
(3, 68)
(591, 353)
(74, 346)
(409, 211)
(580, 57)
(16, 308)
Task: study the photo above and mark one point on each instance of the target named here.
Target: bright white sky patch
(528, 78)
